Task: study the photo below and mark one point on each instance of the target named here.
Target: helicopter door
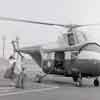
(70, 60)
(59, 60)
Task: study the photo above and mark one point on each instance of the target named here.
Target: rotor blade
(29, 21)
(86, 25)
(72, 26)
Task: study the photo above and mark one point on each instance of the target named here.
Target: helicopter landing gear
(96, 82)
(75, 79)
(39, 78)
(79, 82)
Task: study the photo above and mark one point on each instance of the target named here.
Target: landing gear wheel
(79, 83)
(96, 82)
(38, 78)
(75, 79)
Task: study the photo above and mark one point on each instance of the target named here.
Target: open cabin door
(59, 59)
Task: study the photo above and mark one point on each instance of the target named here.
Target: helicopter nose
(92, 62)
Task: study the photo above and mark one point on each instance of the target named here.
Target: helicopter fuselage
(87, 63)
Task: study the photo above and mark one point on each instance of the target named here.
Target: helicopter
(77, 58)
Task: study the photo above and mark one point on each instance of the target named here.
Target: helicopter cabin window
(74, 55)
(59, 56)
(47, 56)
(67, 55)
(71, 40)
(71, 55)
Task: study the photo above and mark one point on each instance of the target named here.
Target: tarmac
(51, 88)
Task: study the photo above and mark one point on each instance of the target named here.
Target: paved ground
(50, 89)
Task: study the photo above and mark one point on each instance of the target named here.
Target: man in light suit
(19, 71)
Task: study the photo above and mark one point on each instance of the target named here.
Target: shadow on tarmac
(65, 82)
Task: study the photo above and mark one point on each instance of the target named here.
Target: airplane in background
(75, 57)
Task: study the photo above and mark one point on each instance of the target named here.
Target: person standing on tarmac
(19, 71)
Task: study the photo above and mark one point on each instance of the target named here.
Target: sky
(55, 11)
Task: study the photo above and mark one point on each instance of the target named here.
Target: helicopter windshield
(72, 38)
(80, 35)
(75, 37)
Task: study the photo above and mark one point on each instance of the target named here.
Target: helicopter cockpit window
(67, 55)
(71, 40)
